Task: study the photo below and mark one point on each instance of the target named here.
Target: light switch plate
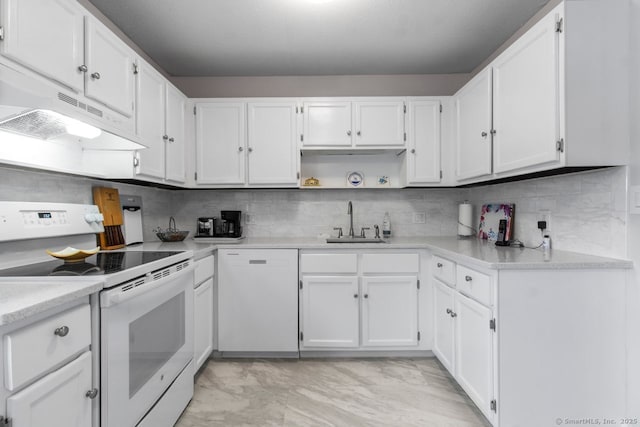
(419, 217)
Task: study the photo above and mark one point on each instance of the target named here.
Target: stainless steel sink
(355, 240)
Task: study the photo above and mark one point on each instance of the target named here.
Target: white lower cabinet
(57, 400)
(443, 338)
(329, 311)
(203, 311)
(359, 301)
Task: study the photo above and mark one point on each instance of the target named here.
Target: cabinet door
(379, 123)
(327, 124)
(329, 311)
(109, 78)
(474, 351)
(525, 100)
(473, 127)
(46, 36)
(175, 131)
(57, 400)
(390, 311)
(220, 143)
(423, 149)
(203, 322)
(443, 341)
(150, 106)
(272, 146)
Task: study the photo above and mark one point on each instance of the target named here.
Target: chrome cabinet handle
(171, 139)
(439, 265)
(250, 150)
(413, 151)
(483, 134)
(92, 394)
(468, 278)
(493, 131)
(165, 137)
(62, 331)
(240, 149)
(359, 133)
(454, 314)
(348, 133)
(95, 76)
(355, 295)
(449, 311)
(366, 295)
(83, 68)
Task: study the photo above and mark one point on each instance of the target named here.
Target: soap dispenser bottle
(386, 226)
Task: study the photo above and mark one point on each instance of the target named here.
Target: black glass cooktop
(98, 264)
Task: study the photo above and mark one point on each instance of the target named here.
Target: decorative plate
(355, 179)
(490, 217)
(70, 254)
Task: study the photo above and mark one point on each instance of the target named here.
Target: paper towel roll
(465, 219)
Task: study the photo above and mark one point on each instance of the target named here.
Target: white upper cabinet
(339, 123)
(526, 99)
(272, 148)
(110, 72)
(473, 127)
(220, 143)
(423, 145)
(379, 123)
(47, 37)
(160, 123)
(150, 102)
(327, 124)
(175, 134)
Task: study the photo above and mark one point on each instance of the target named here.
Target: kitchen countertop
(21, 298)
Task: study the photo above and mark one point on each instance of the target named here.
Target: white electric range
(143, 343)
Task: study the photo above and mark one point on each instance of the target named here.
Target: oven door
(147, 340)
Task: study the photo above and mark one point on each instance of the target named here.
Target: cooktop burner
(99, 264)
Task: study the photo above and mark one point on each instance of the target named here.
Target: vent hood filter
(45, 124)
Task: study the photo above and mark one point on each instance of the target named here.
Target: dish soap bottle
(386, 226)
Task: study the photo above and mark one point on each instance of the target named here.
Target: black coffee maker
(230, 226)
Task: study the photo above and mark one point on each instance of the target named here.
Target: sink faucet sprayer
(350, 213)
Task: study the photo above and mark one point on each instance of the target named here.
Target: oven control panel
(34, 220)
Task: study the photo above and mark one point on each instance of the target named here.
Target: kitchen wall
(588, 209)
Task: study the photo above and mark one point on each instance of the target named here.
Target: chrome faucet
(350, 213)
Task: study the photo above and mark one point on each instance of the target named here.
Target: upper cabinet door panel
(423, 128)
(175, 130)
(46, 36)
(220, 143)
(526, 100)
(272, 145)
(473, 127)
(379, 123)
(327, 124)
(150, 120)
(109, 78)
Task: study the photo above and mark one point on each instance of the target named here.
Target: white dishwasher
(258, 300)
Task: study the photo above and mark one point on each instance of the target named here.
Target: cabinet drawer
(444, 269)
(203, 270)
(36, 348)
(329, 263)
(390, 263)
(474, 284)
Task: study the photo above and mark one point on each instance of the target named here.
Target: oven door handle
(117, 295)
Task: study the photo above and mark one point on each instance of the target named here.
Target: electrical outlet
(545, 215)
(249, 218)
(419, 217)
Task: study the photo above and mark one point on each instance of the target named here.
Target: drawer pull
(439, 265)
(355, 295)
(468, 278)
(62, 331)
(91, 394)
(453, 314)
(257, 261)
(449, 311)
(366, 295)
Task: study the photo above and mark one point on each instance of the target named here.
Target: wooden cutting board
(108, 201)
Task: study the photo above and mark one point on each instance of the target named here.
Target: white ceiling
(318, 37)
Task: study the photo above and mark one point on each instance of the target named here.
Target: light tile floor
(329, 392)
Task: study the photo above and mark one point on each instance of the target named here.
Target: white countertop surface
(24, 297)
(20, 298)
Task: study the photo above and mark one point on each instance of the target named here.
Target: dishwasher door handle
(257, 261)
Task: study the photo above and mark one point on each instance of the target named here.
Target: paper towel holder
(465, 220)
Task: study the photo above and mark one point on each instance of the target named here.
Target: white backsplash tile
(588, 209)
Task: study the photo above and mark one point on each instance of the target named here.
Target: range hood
(35, 107)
